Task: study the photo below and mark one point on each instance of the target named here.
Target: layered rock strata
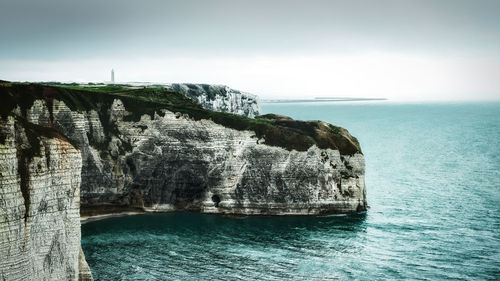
(165, 160)
(220, 98)
(39, 204)
(153, 150)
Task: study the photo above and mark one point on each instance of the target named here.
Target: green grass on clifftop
(274, 129)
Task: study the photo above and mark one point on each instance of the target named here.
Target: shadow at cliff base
(187, 223)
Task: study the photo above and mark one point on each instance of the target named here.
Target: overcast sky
(403, 50)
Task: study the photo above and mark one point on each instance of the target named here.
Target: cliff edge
(39, 204)
(67, 151)
(154, 149)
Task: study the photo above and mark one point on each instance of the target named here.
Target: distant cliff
(220, 98)
(156, 150)
(39, 204)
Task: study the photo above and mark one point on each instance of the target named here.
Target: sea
(433, 188)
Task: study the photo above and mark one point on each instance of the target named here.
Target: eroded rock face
(148, 158)
(39, 204)
(220, 98)
(170, 161)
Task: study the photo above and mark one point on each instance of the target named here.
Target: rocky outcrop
(165, 160)
(220, 98)
(39, 204)
(153, 150)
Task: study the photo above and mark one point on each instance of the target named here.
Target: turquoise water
(433, 181)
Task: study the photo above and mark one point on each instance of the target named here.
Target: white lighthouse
(112, 76)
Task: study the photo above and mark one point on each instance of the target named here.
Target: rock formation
(39, 204)
(153, 149)
(220, 98)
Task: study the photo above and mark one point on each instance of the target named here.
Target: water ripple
(433, 175)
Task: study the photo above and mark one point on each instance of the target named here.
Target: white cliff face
(158, 160)
(170, 161)
(39, 205)
(220, 98)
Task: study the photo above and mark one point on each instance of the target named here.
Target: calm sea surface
(433, 181)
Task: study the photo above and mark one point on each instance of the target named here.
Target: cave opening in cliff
(216, 200)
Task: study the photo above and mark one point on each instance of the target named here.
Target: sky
(398, 49)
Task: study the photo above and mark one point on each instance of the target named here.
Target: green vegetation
(276, 130)
(100, 89)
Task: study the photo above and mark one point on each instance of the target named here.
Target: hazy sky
(416, 50)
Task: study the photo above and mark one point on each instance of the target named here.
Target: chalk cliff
(100, 150)
(156, 150)
(39, 203)
(220, 98)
